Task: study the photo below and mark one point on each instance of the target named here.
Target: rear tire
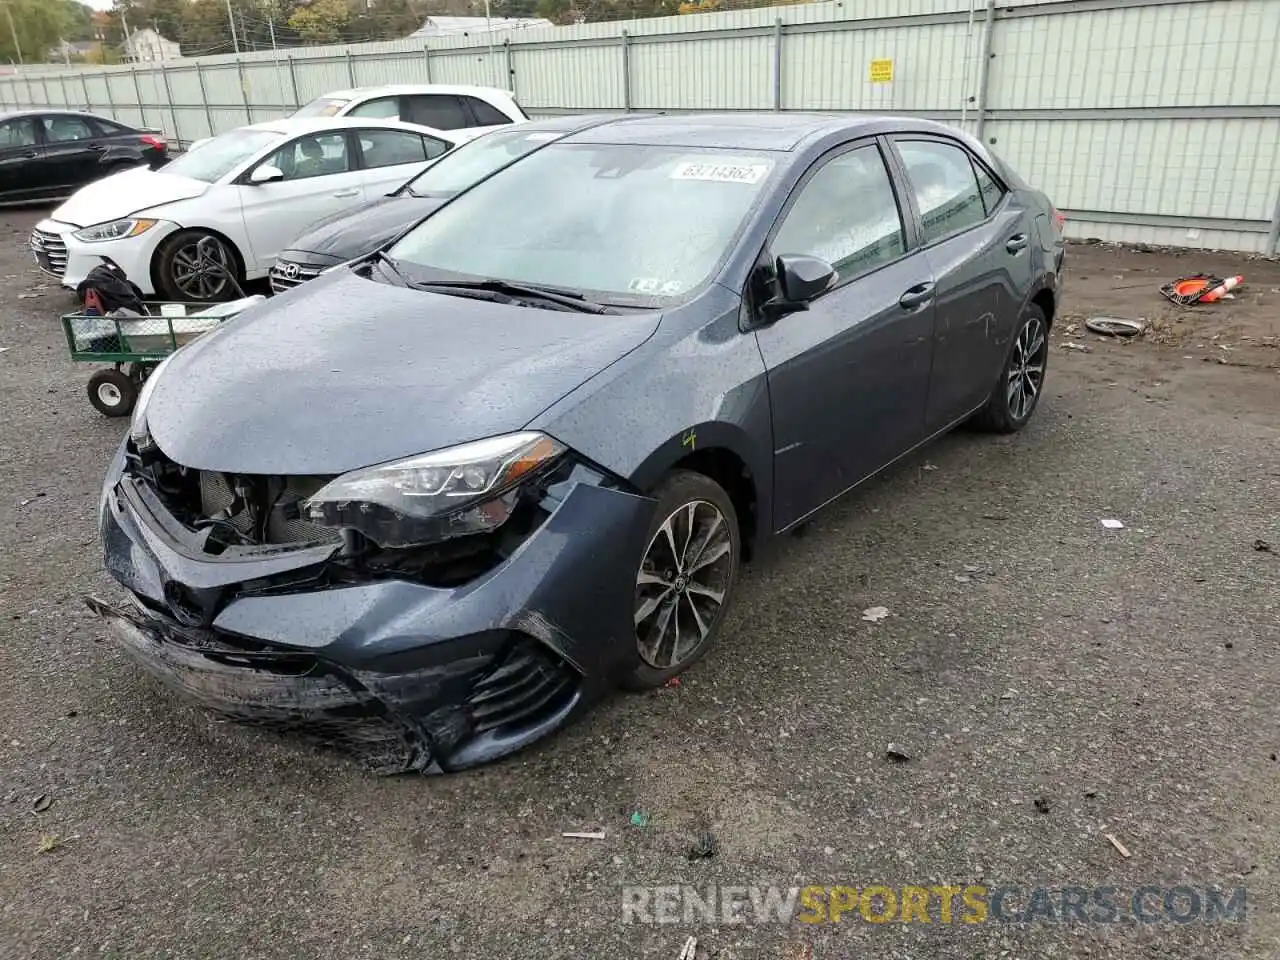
(684, 579)
(112, 393)
(179, 276)
(1017, 392)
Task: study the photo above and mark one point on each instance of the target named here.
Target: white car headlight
(436, 496)
(115, 230)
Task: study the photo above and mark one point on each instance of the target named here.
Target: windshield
(219, 156)
(321, 107)
(472, 162)
(640, 223)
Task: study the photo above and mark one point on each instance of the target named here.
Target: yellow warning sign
(881, 71)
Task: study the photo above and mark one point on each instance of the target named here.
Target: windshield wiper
(564, 298)
(389, 267)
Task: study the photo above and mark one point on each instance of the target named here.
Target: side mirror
(266, 174)
(802, 278)
(799, 279)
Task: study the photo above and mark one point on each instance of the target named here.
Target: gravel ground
(1050, 680)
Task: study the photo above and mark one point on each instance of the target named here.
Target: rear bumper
(406, 676)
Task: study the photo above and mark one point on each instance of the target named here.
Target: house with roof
(148, 46)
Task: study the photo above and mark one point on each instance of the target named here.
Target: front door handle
(917, 296)
(29, 155)
(347, 193)
(97, 147)
(1016, 243)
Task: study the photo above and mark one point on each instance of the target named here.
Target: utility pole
(232, 21)
(275, 54)
(244, 34)
(129, 52)
(14, 31)
(488, 26)
(66, 54)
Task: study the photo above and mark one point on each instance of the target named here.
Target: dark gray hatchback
(432, 505)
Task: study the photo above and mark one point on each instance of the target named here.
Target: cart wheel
(112, 393)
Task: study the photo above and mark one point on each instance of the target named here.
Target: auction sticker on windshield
(718, 171)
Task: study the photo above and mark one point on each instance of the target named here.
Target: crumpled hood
(125, 193)
(346, 235)
(347, 372)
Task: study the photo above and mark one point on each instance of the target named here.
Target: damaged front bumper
(407, 676)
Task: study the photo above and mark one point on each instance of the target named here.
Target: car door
(72, 152)
(22, 172)
(976, 238)
(320, 177)
(390, 157)
(848, 377)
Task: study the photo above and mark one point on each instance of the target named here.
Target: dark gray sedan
(432, 505)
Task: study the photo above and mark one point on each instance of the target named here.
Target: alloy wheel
(680, 589)
(194, 275)
(1026, 369)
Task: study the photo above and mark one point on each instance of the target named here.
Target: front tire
(180, 274)
(685, 577)
(1017, 392)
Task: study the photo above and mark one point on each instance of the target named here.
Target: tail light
(1059, 220)
(152, 140)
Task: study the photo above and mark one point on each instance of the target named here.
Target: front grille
(50, 252)
(285, 275)
(285, 523)
(530, 684)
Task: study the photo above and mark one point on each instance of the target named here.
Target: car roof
(294, 126)
(51, 112)
(746, 131)
(405, 88)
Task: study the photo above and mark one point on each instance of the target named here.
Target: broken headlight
(139, 433)
(455, 492)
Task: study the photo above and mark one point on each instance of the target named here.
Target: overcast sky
(98, 4)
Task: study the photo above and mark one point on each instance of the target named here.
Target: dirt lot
(1050, 680)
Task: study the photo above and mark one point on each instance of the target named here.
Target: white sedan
(251, 190)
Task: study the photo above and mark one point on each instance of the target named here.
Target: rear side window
(383, 108)
(63, 129)
(992, 192)
(442, 111)
(846, 214)
(945, 187)
(486, 114)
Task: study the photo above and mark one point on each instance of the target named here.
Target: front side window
(322, 107)
(18, 132)
(472, 162)
(846, 214)
(442, 111)
(316, 155)
(66, 129)
(383, 108)
(638, 224)
(220, 155)
(945, 187)
(388, 148)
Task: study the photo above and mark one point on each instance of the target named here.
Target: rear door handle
(347, 193)
(1016, 243)
(97, 147)
(917, 296)
(30, 154)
